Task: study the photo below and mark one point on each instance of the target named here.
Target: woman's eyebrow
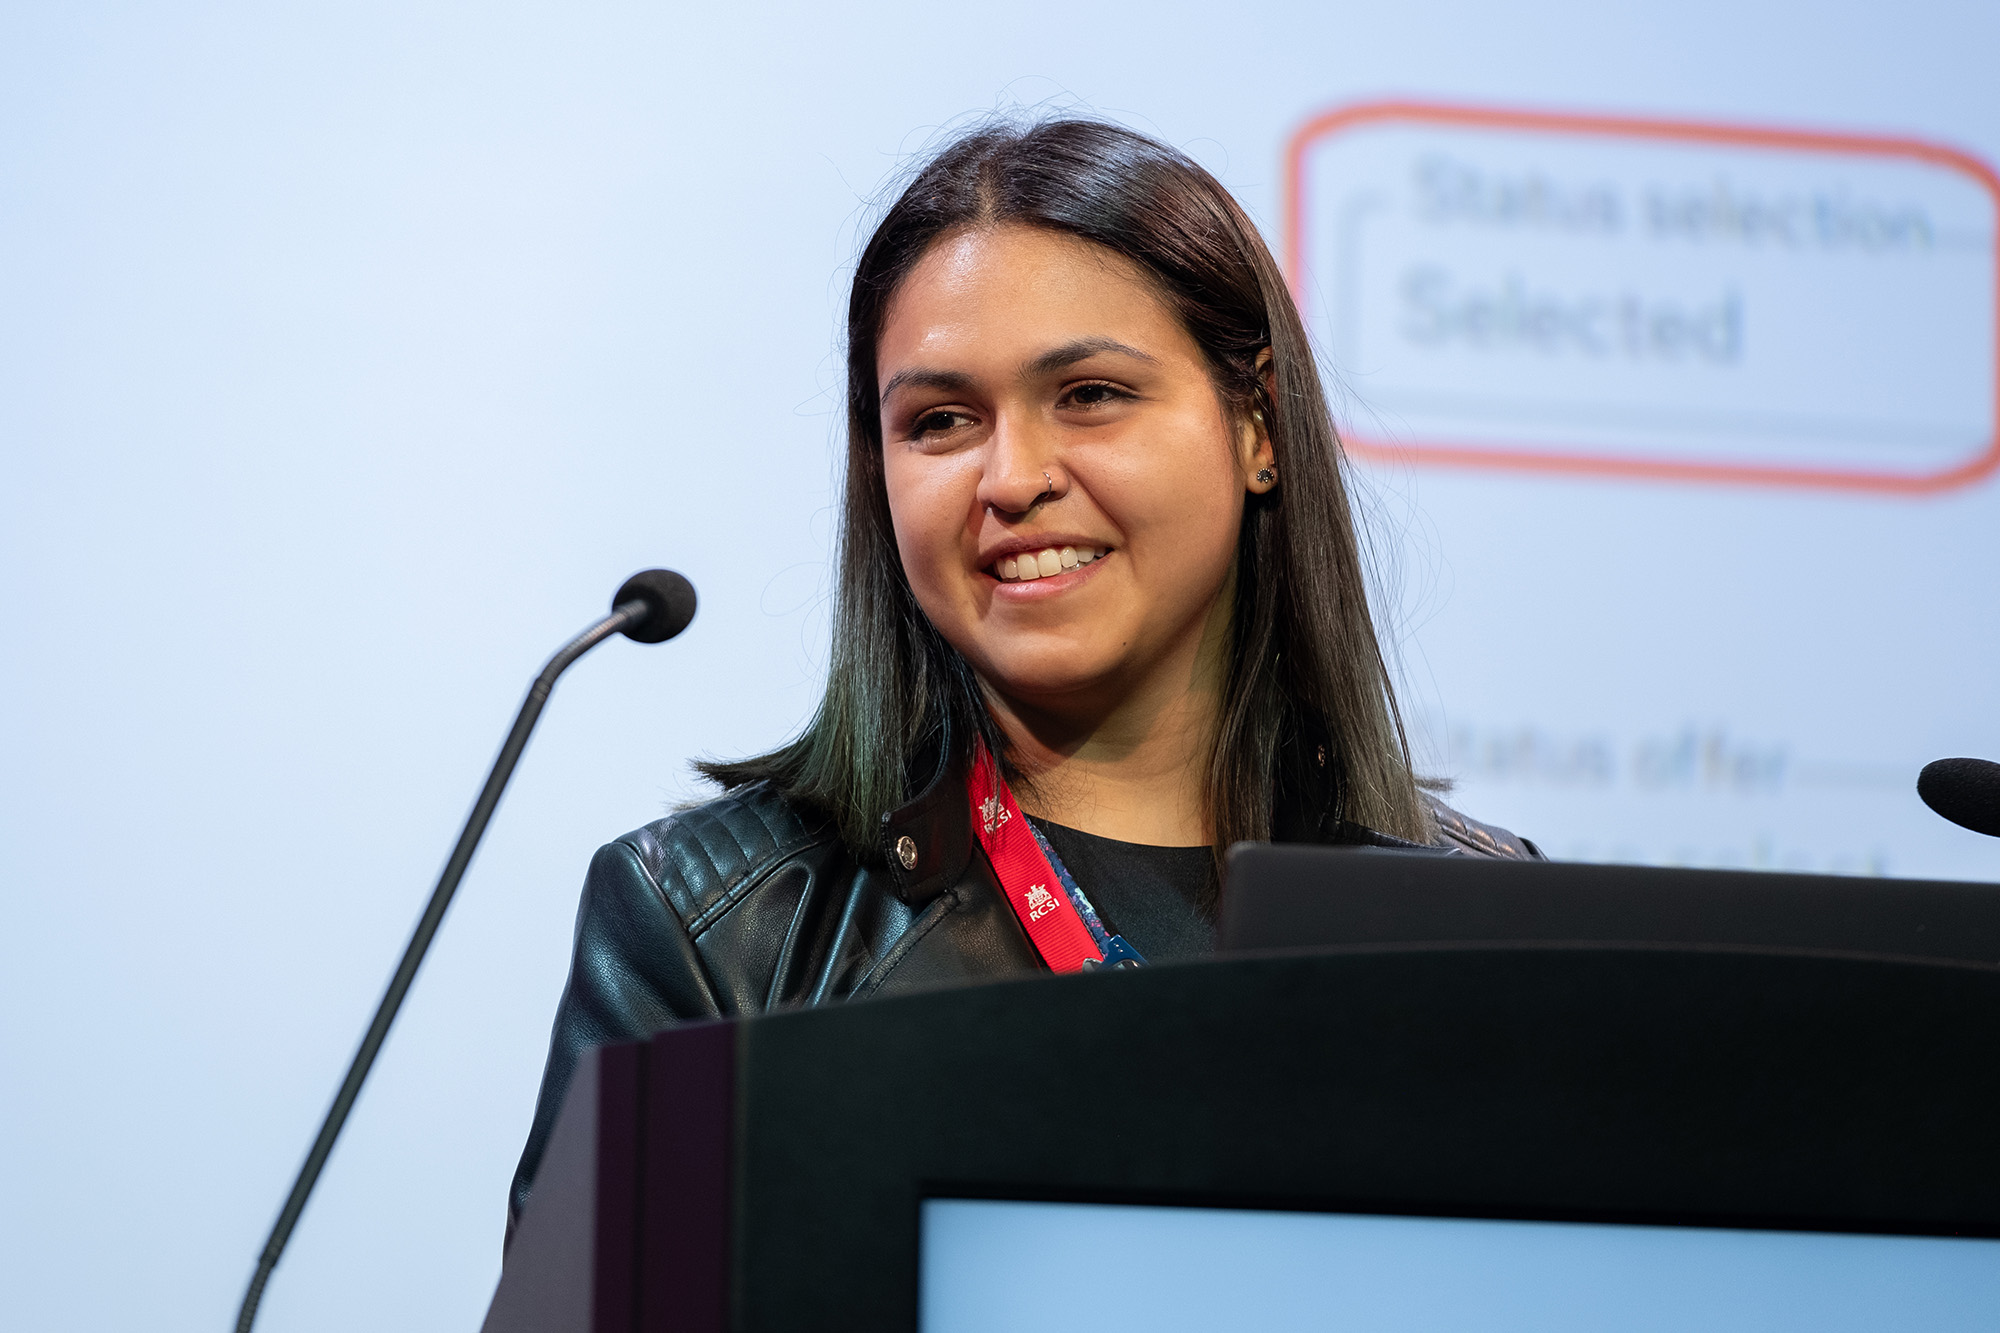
(951, 380)
(1082, 349)
(1056, 358)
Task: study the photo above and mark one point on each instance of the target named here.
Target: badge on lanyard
(1052, 908)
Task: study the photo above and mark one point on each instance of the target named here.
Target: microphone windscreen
(1965, 791)
(669, 600)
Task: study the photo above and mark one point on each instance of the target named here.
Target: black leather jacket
(747, 904)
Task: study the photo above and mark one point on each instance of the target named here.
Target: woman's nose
(1021, 468)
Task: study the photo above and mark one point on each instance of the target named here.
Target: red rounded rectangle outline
(1449, 453)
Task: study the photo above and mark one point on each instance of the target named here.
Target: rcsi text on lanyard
(1059, 919)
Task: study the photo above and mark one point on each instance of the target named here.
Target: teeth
(1041, 564)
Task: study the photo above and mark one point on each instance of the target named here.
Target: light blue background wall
(350, 355)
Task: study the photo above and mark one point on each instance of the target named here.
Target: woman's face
(1066, 483)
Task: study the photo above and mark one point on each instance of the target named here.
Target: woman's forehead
(1014, 294)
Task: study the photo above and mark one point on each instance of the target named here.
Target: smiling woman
(1100, 614)
(1066, 489)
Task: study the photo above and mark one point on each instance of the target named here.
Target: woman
(1100, 615)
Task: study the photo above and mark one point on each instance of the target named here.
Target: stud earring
(1267, 475)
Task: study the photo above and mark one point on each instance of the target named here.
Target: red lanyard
(1027, 880)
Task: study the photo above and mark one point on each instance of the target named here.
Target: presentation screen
(990, 1266)
(1684, 432)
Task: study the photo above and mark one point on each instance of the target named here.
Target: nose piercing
(1048, 490)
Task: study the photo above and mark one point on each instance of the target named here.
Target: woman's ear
(1258, 460)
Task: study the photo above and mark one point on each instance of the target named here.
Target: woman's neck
(1134, 768)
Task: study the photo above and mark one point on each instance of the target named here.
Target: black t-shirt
(1161, 899)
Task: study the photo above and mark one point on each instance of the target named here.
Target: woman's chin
(1057, 682)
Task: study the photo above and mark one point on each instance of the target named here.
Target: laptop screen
(988, 1266)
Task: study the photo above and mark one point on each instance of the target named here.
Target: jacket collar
(927, 843)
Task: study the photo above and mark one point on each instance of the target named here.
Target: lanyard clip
(1118, 957)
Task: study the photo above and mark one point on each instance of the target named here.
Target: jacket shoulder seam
(653, 882)
(1471, 836)
(683, 834)
(743, 885)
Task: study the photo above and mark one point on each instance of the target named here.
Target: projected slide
(1650, 298)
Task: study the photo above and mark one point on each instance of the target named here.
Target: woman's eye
(936, 423)
(1094, 395)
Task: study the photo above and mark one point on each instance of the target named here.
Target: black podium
(768, 1174)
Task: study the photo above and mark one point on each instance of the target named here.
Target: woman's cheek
(927, 537)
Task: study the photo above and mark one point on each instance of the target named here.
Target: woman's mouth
(1045, 563)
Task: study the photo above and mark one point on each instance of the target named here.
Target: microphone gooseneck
(1965, 791)
(651, 606)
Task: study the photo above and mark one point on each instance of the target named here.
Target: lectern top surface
(1297, 897)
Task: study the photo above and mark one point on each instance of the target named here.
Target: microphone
(1965, 791)
(651, 606)
(669, 605)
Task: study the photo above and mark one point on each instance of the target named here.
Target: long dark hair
(1305, 659)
